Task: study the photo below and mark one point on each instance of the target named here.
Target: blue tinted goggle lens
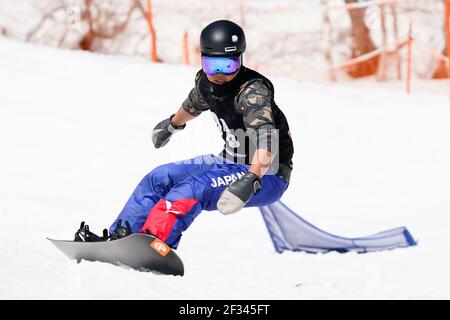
(225, 65)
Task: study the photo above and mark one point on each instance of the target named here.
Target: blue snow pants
(170, 197)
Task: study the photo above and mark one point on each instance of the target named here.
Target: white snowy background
(75, 140)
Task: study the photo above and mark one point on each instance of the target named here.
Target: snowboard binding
(84, 235)
(120, 231)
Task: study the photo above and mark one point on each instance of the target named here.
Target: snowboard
(138, 251)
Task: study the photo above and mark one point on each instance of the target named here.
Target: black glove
(239, 193)
(163, 131)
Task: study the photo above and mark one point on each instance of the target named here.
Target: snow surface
(75, 140)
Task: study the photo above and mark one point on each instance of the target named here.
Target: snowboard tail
(138, 251)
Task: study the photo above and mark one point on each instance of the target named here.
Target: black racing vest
(221, 100)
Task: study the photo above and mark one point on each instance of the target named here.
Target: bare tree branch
(42, 21)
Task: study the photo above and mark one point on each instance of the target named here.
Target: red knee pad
(164, 214)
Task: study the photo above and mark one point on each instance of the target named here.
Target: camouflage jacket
(246, 114)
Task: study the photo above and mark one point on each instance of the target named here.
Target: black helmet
(222, 38)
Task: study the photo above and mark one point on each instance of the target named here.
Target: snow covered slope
(75, 140)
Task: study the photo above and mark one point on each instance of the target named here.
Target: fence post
(153, 55)
(447, 28)
(408, 70)
(186, 48)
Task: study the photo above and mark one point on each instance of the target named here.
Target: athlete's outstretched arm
(181, 117)
(193, 106)
(166, 128)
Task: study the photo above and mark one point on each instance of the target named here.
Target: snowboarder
(253, 169)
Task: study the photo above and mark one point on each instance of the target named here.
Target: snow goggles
(225, 65)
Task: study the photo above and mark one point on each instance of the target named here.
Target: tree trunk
(442, 70)
(397, 40)
(329, 50)
(87, 40)
(382, 62)
(361, 43)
